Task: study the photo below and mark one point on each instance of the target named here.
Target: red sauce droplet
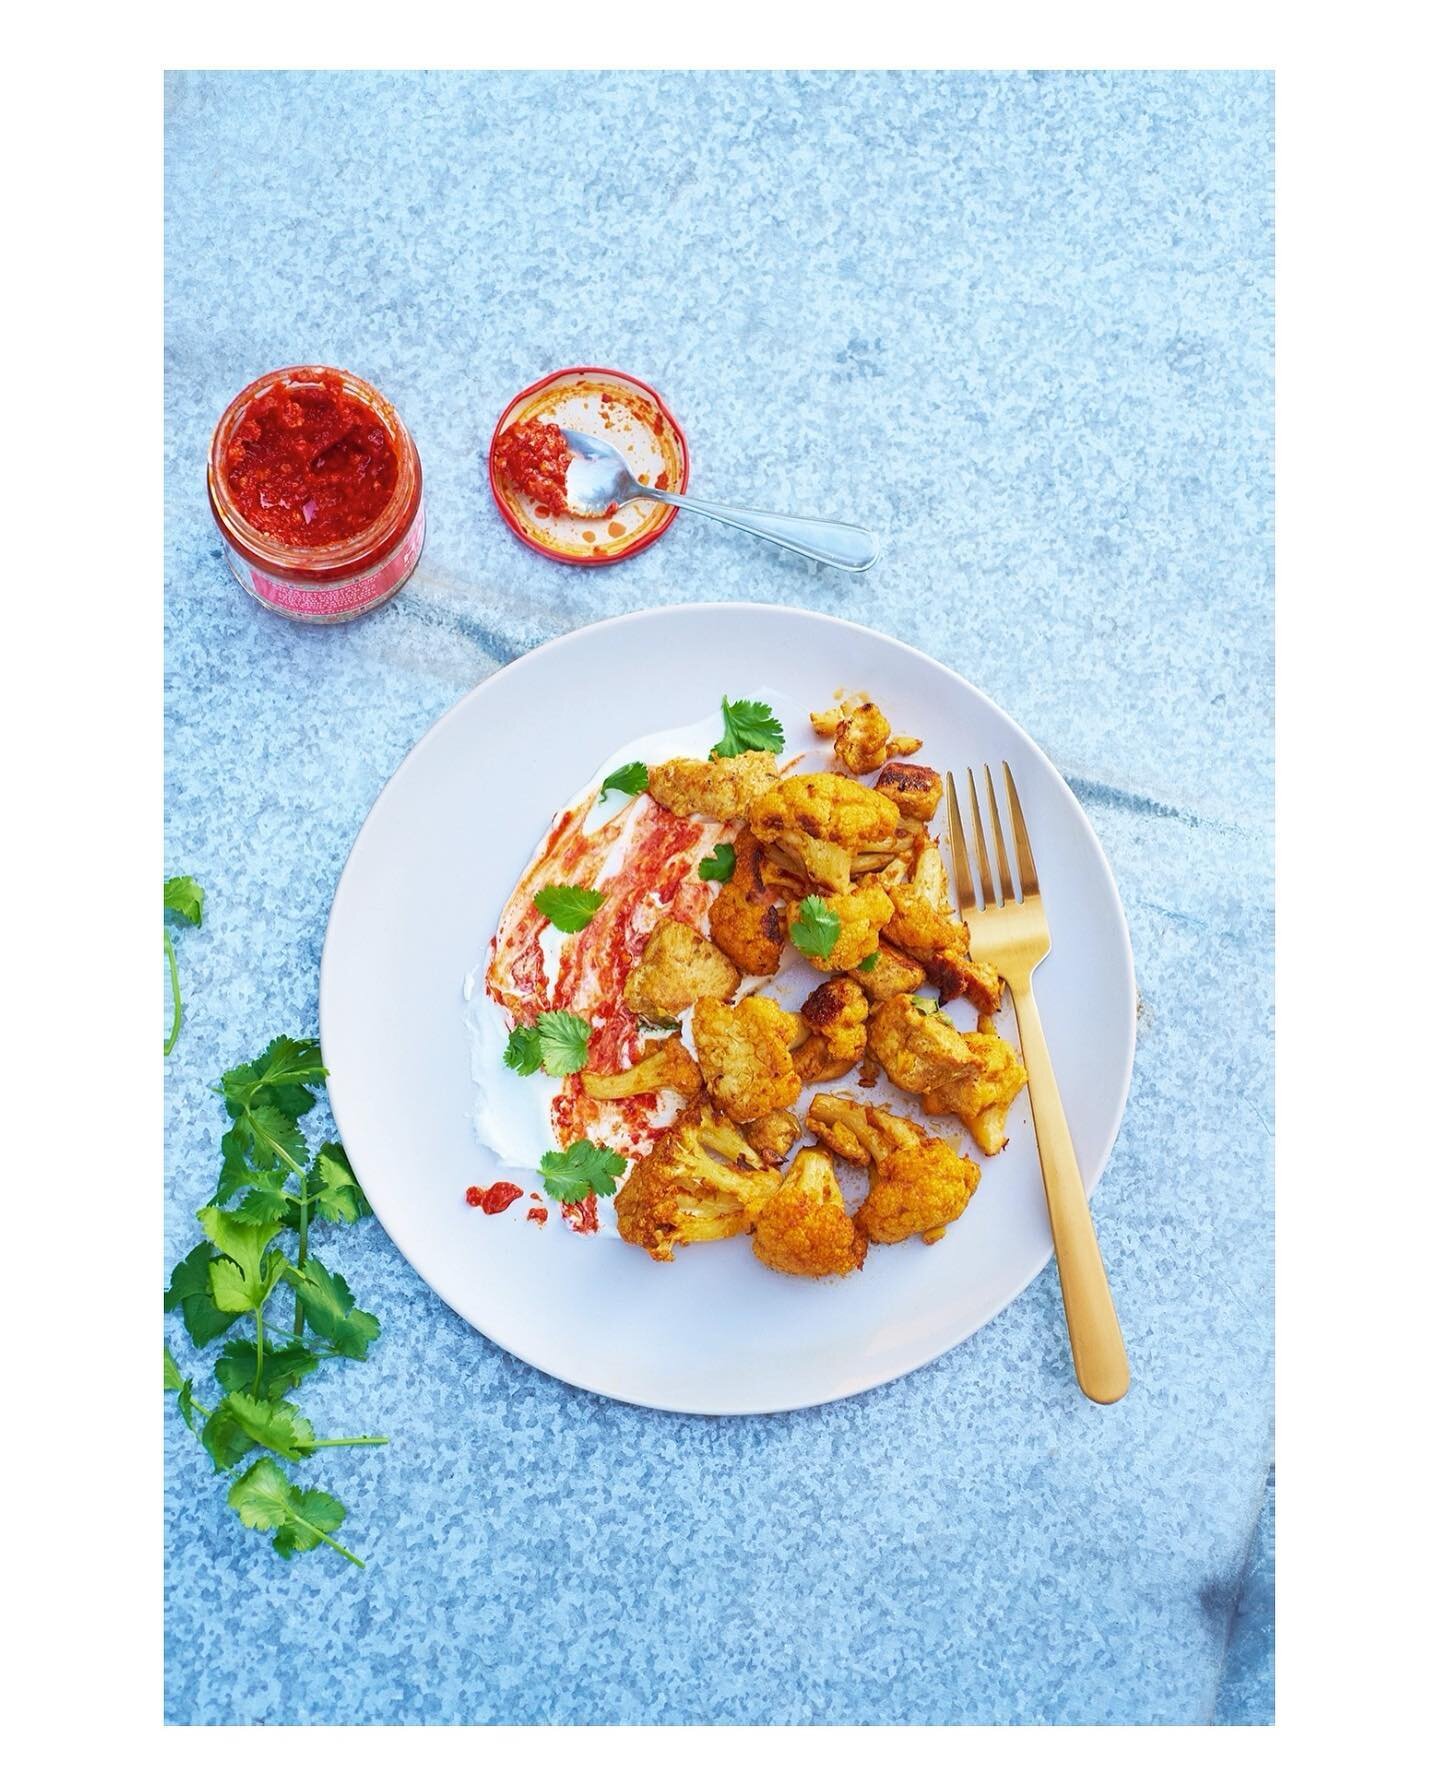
(662, 484)
(582, 1216)
(494, 1199)
(533, 457)
(538, 1214)
(309, 464)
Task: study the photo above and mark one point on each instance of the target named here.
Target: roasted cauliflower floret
(926, 928)
(981, 1095)
(861, 913)
(803, 1229)
(823, 821)
(914, 789)
(773, 1136)
(701, 1182)
(744, 1055)
(723, 789)
(745, 917)
(918, 1184)
(664, 1064)
(677, 966)
(835, 1013)
(892, 974)
(916, 1048)
(861, 732)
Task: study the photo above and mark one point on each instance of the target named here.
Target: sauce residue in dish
(534, 457)
(494, 1199)
(310, 463)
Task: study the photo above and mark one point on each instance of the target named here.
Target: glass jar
(369, 532)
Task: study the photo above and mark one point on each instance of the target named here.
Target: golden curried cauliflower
(773, 1135)
(745, 918)
(702, 1182)
(861, 914)
(893, 974)
(918, 1184)
(926, 928)
(744, 1055)
(723, 789)
(975, 1076)
(863, 741)
(914, 789)
(803, 1229)
(664, 1064)
(677, 966)
(823, 821)
(835, 1013)
(982, 1094)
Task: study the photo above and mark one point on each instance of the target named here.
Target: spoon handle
(833, 544)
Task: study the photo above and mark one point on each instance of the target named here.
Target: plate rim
(601, 624)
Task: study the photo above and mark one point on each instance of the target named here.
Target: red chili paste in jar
(494, 1199)
(534, 458)
(309, 463)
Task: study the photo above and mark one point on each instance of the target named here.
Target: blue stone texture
(1022, 323)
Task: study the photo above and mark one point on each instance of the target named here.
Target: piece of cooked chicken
(664, 1064)
(835, 1013)
(745, 916)
(773, 1136)
(925, 927)
(975, 1076)
(892, 974)
(676, 967)
(861, 914)
(914, 789)
(823, 820)
(723, 789)
(981, 1095)
(803, 1229)
(701, 1182)
(744, 1055)
(918, 1184)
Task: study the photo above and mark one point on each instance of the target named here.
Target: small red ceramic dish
(621, 410)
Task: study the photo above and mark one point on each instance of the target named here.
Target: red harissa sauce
(534, 458)
(494, 1199)
(310, 464)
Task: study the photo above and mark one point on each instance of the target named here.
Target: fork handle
(1101, 1367)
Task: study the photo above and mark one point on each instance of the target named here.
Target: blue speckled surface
(1067, 279)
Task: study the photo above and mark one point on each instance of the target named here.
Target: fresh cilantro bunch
(270, 1189)
(184, 901)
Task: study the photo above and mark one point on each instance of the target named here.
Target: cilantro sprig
(567, 906)
(581, 1169)
(816, 928)
(270, 1190)
(558, 1043)
(750, 727)
(719, 867)
(184, 901)
(629, 779)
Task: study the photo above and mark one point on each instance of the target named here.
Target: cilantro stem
(339, 1548)
(259, 1348)
(176, 1009)
(303, 1230)
(327, 1443)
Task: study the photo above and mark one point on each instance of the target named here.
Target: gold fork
(1011, 933)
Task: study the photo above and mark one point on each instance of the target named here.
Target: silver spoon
(598, 477)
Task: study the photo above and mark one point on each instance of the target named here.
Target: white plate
(712, 1332)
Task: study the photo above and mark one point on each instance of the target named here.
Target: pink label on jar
(348, 597)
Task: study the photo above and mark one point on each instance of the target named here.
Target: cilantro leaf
(184, 899)
(189, 1290)
(265, 1499)
(564, 1042)
(332, 1186)
(242, 1278)
(289, 1064)
(184, 1399)
(750, 727)
(719, 868)
(273, 1425)
(571, 1174)
(225, 1439)
(330, 1308)
(816, 928)
(658, 1026)
(522, 1051)
(869, 961)
(285, 1367)
(567, 906)
(630, 779)
(174, 1380)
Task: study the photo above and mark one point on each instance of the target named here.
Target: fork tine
(1024, 859)
(1002, 863)
(959, 858)
(987, 889)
